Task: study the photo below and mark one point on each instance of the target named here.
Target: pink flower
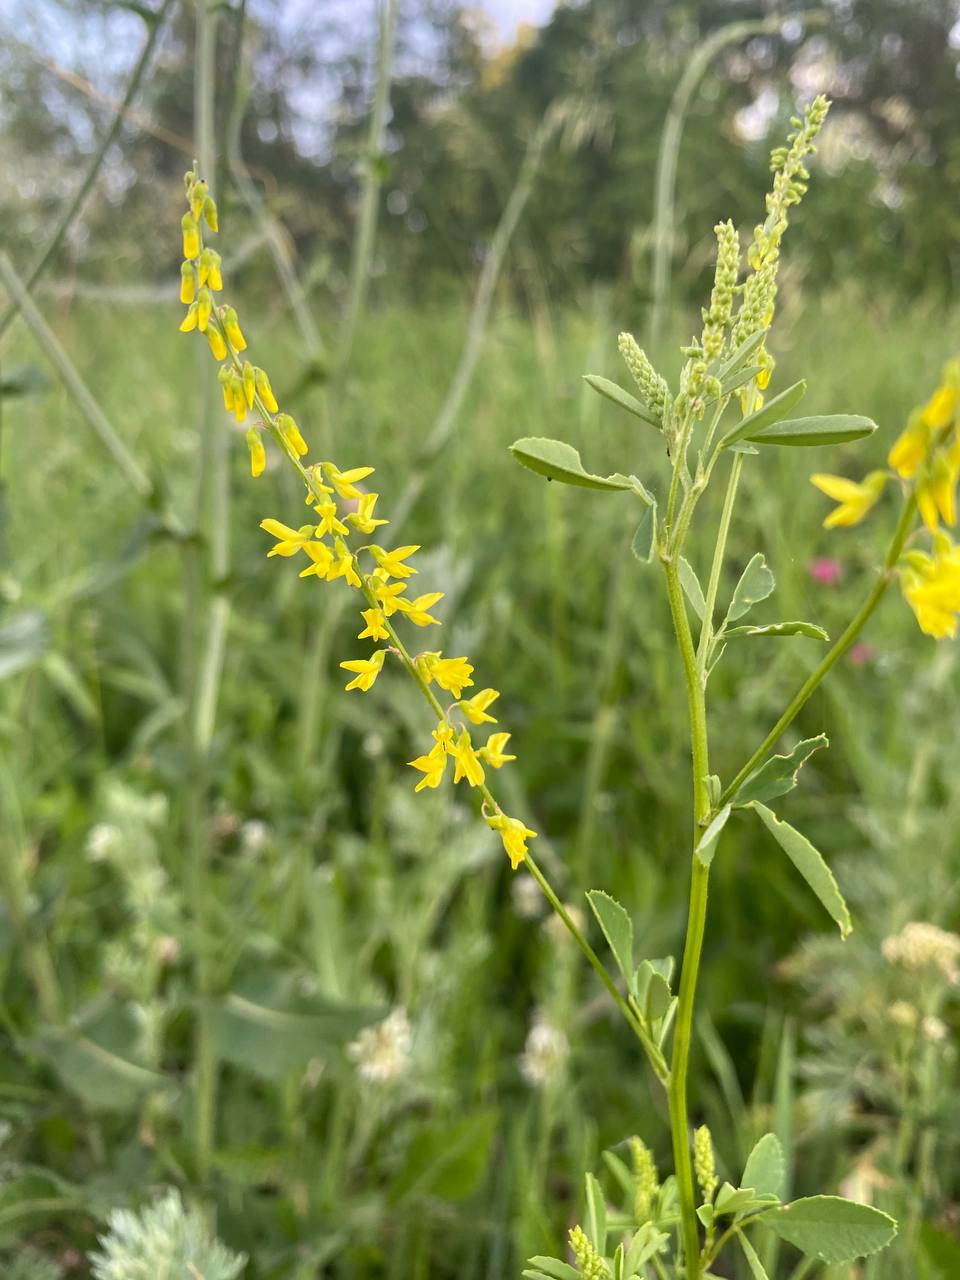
(863, 653)
(826, 571)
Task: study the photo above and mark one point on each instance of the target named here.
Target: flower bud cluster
(654, 391)
(589, 1263)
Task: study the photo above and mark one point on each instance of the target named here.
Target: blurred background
(238, 956)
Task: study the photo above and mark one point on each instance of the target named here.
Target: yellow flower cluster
(925, 456)
(341, 509)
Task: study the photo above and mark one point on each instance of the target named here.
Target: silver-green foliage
(164, 1241)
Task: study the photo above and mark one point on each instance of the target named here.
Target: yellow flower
(291, 433)
(190, 319)
(231, 324)
(493, 750)
(191, 236)
(188, 283)
(258, 455)
(217, 344)
(204, 309)
(367, 670)
(345, 481)
(344, 565)
(363, 518)
(387, 594)
(856, 498)
(911, 446)
(198, 193)
(208, 269)
(391, 562)
(452, 674)
(432, 765)
(249, 383)
(417, 610)
(466, 761)
(931, 586)
(374, 629)
(264, 390)
(475, 708)
(940, 409)
(327, 511)
(290, 540)
(321, 560)
(514, 836)
(937, 492)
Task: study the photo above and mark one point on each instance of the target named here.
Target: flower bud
(249, 382)
(291, 433)
(191, 236)
(188, 283)
(197, 196)
(258, 455)
(264, 390)
(204, 309)
(210, 213)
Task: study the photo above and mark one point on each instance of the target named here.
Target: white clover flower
(382, 1053)
(920, 945)
(164, 1239)
(934, 1028)
(903, 1013)
(544, 1054)
(255, 835)
(103, 842)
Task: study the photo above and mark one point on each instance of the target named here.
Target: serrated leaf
(753, 1262)
(559, 461)
(756, 583)
(691, 587)
(831, 1228)
(808, 629)
(732, 1199)
(617, 928)
(613, 391)
(595, 1222)
(809, 862)
(779, 774)
(644, 542)
(707, 844)
(831, 428)
(766, 1167)
(773, 411)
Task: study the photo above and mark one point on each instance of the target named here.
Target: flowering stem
(696, 925)
(710, 600)
(839, 648)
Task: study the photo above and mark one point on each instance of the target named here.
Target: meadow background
(409, 1068)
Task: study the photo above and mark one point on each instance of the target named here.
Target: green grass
(362, 897)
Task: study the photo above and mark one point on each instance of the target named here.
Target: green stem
(154, 24)
(696, 925)
(839, 648)
(713, 584)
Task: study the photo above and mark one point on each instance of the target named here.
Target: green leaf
(832, 1229)
(23, 380)
(741, 355)
(102, 1079)
(617, 928)
(732, 1199)
(559, 461)
(691, 587)
(738, 379)
(831, 428)
(942, 1250)
(756, 583)
(753, 1262)
(771, 412)
(272, 1042)
(658, 997)
(596, 1213)
(447, 1160)
(779, 774)
(809, 862)
(644, 543)
(707, 845)
(613, 391)
(808, 629)
(22, 641)
(552, 1269)
(766, 1167)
